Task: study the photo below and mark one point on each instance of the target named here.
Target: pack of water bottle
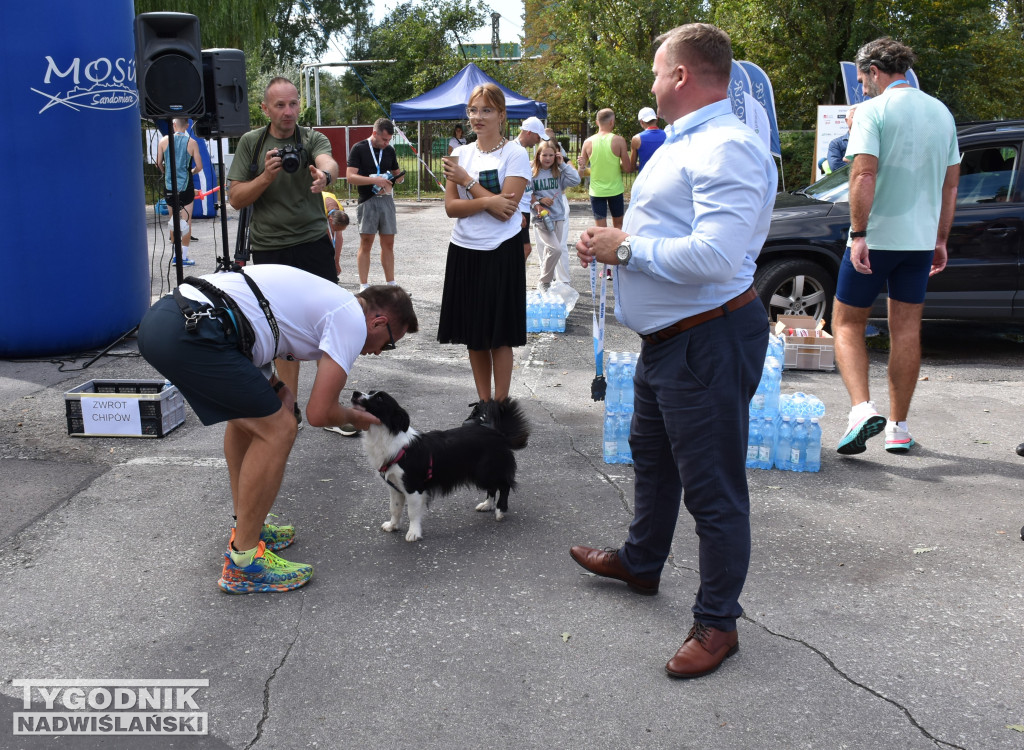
(618, 407)
(544, 312)
(784, 428)
(784, 442)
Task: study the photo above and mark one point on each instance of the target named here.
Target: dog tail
(507, 418)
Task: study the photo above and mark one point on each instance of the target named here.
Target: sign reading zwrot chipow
(110, 707)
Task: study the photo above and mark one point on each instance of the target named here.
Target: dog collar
(384, 469)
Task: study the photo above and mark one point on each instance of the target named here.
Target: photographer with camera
(280, 170)
(373, 168)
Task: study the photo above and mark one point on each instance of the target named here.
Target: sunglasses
(390, 346)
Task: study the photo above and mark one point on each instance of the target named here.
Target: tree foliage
(272, 33)
(422, 43)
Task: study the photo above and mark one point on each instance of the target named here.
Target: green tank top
(605, 168)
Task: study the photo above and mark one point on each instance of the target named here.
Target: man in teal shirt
(903, 183)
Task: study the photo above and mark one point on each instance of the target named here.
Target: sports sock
(363, 287)
(243, 559)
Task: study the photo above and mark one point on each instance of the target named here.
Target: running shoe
(266, 574)
(864, 423)
(897, 439)
(348, 430)
(277, 537)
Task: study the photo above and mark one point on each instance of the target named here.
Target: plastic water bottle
(757, 403)
(612, 396)
(611, 444)
(626, 387)
(764, 452)
(774, 386)
(532, 313)
(799, 404)
(624, 454)
(798, 447)
(815, 407)
(559, 315)
(813, 446)
(783, 444)
(754, 437)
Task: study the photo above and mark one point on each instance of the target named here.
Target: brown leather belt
(695, 320)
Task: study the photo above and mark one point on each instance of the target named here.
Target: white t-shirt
(314, 316)
(482, 231)
(454, 143)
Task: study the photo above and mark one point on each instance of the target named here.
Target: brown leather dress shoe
(606, 562)
(703, 651)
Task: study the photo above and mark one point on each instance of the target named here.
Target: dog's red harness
(384, 469)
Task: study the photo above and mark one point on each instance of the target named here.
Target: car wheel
(795, 287)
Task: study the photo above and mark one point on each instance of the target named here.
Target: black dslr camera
(289, 157)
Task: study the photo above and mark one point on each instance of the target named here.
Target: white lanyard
(376, 159)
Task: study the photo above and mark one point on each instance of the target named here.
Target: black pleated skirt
(483, 305)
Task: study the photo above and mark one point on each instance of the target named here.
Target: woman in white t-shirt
(457, 139)
(483, 304)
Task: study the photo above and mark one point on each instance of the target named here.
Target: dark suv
(797, 269)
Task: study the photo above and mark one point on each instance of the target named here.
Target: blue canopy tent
(448, 102)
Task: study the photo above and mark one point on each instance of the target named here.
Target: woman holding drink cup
(483, 304)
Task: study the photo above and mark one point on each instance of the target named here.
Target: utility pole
(495, 38)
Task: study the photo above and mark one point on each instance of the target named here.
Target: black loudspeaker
(226, 94)
(168, 65)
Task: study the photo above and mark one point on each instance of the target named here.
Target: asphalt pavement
(884, 605)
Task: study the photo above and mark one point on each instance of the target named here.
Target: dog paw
(413, 535)
(498, 515)
(389, 526)
(485, 506)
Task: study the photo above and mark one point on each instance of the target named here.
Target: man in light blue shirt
(699, 213)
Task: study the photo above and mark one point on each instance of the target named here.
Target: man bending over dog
(216, 338)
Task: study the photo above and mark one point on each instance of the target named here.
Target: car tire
(795, 287)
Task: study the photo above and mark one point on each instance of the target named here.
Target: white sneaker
(348, 430)
(898, 439)
(864, 423)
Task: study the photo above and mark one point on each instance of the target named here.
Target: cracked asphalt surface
(884, 605)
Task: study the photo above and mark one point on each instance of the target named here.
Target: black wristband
(327, 176)
(855, 235)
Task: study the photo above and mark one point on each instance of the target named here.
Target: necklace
(501, 143)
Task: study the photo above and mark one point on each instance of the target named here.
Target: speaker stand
(175, 209)
(224, 262)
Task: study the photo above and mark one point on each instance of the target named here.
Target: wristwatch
(624, 252)
(327, 176)
(855, 235)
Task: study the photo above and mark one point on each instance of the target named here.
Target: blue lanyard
(897, 83)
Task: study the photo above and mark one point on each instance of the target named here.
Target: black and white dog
(421, 466)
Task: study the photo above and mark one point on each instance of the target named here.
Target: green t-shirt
(605, 168)
(287, 213)
(914, 138)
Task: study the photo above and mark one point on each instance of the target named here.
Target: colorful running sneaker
(897, 439)
(864, 423)
(266, 574)
(277, 537)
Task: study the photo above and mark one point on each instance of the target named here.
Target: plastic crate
(124, 408)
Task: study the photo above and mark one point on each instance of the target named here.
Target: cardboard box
(808, 346)
(124, 408)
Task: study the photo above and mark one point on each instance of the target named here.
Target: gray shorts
(377, 216)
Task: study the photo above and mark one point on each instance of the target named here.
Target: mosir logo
(80, 84)
(111, 707)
